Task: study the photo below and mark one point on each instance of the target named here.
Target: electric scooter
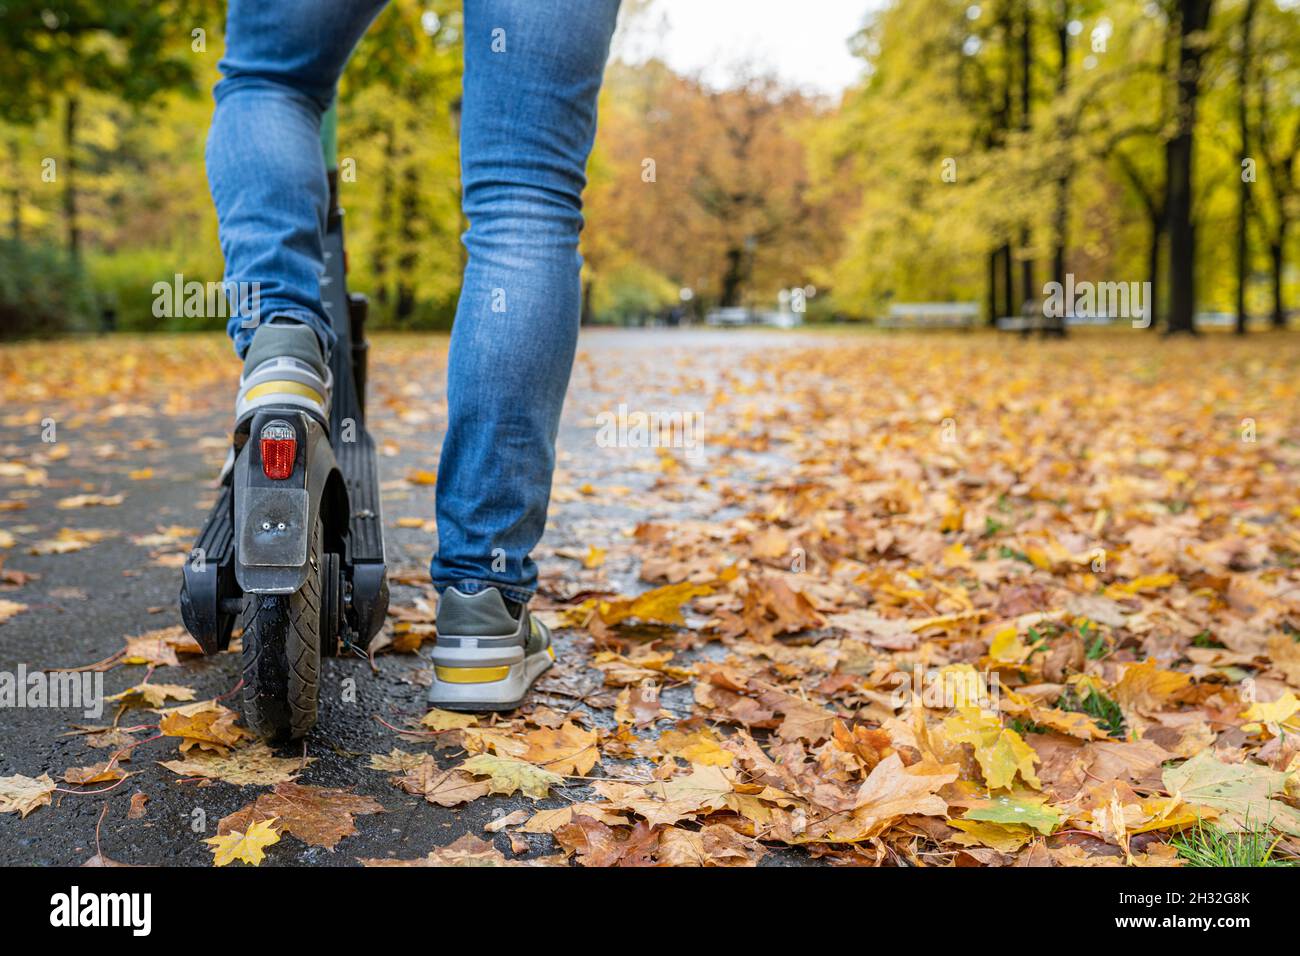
(293, 548)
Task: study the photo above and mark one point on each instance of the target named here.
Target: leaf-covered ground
(947, 600)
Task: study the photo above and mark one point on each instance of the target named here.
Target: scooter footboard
(210, 595)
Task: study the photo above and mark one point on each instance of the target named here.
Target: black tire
(281, 650)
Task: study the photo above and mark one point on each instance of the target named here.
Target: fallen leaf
(318, 816)
(22, 795)
(246, 847)
(1244, 794)
(508, 775)
(253, 766)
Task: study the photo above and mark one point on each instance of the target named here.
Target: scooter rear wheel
(281, 652)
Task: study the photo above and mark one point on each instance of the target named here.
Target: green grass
(1207, 845)
(1098, 706)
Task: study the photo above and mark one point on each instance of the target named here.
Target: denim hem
(475, 585)
(242, 335)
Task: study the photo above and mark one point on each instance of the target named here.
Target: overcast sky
(805, 42)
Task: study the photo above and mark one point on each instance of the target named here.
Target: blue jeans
(528, 120)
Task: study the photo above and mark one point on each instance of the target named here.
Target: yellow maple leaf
(569, 749)
(701, 747)
(659, 605)
(1145, 687)
(1005, 838)
(508, 775)
(1007, 647)
(1275, 712)
(247, 847)
(956, 555)
(1147, 582)
(438, 719)
(1001, 752)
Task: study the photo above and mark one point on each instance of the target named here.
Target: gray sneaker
(284, 366)
(486, 658)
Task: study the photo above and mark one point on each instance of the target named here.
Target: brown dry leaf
(891, 791)
(509, 820)
(396, 761)
(800, 718)
(596, 844)
(548, 821)
(468, 850)
(103, 737)
(69, 540)
(160, 647)
(9, 608)
(22, 795)
(445, 788)
(639, 705)
(318, 816)
(89, 501)
(105, 772)
(253, 766)
(137, 810)
(206, 725)
(568, 750)
(703, 790)
(152, 695)
(1146, 688)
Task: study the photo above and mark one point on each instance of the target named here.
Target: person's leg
(265, 168)
(532, 76)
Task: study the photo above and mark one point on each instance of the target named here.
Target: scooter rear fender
(275, 517)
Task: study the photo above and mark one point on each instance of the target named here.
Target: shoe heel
(494, 688)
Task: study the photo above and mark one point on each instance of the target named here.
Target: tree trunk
(1275, 253)
(1061, 213)
(732, 277)
(1195, 16)
(1026, 108)
(1153, 272)
(1027, 281)
(408, 249)
(587, 318)
(1008, 286)
(1243, 196)
(69, 178)
(381, 250)
(992, 288)
(408, 255)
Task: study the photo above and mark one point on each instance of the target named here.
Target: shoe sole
(464, 693)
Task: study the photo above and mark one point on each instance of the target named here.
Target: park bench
(931, 315)
(1037, 322)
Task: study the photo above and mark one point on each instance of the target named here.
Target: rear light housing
(279, 446)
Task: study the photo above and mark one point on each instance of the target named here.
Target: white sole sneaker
(492, 688)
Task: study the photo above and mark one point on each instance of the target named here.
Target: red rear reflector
(277, 457)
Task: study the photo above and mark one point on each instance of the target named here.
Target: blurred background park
(832, 160)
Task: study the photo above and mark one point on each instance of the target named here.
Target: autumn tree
(57, 51)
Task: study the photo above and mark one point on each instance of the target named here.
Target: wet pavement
(153, 430)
